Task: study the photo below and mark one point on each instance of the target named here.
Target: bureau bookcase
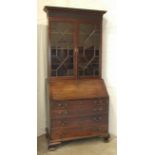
(77, 99)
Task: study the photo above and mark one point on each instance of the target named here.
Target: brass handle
(62, 104)
(98, 109)
(63, 123)
(97, 118)
(64, 112)
(95, 101)
(98, 102)
(97, 129)
(59, 104)
(101, 101)
(65, 104)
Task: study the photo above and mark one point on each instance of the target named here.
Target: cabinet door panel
(89, 45)
(62, 45)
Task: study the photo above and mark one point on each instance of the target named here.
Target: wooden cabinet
(77, 99)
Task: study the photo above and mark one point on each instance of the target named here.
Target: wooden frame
(77, 106)
(59, 19)
(76, 23)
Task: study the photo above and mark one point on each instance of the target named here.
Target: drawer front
(68, 113)
(78, 132)
(77, 104)
(80, 121)
(60, 109)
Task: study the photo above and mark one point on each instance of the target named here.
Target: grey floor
(92, 146)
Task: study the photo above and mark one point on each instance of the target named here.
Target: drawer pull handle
(95, 102)
(97, 129)
(63, 123)
(97, 118)
(66, 104)
(101, 101)
(65, 112)
(98, 102)
(59, 104)
(62, 104)
(98, 109)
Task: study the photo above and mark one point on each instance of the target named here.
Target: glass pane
(88, 61)
(62, 49)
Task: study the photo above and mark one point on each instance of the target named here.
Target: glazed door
(74, 49)
(62, 49)
(89, 50)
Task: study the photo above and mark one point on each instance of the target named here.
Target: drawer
(80, 121)
(84, 111)
(73, 133)
(79, 104)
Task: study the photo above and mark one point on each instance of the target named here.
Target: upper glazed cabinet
(74, 48)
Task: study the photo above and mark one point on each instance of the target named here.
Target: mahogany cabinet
(77, 99)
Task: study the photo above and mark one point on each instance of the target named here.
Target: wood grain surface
(77, 89)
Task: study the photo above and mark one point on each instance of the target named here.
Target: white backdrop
(109, 53)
